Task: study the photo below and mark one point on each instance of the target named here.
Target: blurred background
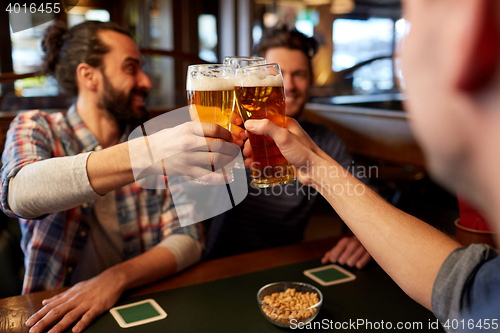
(356, 85)
(357, 41)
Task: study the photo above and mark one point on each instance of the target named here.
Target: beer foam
(256, 81)
(209, 84)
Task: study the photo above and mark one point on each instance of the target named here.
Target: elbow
(18, 203)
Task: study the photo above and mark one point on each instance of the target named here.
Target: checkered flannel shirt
(53, 243)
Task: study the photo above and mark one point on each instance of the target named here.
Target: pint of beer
(210, 95)
(260, 94)
(233, 63)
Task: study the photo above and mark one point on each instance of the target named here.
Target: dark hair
(288, 38)
(65, 49)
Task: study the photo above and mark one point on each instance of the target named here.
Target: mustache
(143, 93)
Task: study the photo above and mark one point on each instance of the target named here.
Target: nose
(143, 82)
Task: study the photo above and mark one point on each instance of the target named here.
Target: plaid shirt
(53, 243)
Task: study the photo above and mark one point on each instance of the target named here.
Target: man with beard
(69, 180)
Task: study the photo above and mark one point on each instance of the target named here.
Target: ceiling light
(342, 6)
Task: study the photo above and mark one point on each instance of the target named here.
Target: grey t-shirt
(467, 282)
(104, 246)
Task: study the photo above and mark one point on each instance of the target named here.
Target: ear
(87, 76)
(481, 47)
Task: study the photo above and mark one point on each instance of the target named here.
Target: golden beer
(210, 95)
(233, 63)
(265, 99)
(211, 106)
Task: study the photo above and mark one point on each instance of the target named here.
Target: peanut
(289, 305)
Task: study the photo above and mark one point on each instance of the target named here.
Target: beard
(119, 105)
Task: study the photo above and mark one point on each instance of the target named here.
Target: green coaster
(138, 313)
(329, 275)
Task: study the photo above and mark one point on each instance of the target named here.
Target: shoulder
(34, 130)
(38, 119)
(33, 122)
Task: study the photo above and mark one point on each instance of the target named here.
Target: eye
(300, 75)
(131, 69)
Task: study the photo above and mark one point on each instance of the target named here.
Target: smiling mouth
(138, 97)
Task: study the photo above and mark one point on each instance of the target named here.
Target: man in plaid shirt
(69, 179)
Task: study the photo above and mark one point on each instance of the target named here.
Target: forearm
(155, 264)
(147, 267)
(110, 168)
(408, 249)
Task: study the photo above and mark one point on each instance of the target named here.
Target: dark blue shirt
(274, 216)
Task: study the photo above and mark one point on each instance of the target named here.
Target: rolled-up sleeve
(29, 140)
(467, 279)
(186, 250)
(52, 184)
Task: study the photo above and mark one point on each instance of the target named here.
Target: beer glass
(260, 94)
(234, 63)
(210, 94)
(239, 62)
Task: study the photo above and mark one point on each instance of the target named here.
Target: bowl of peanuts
(289, 304)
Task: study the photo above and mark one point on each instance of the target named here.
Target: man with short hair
(86, 221)
(450, 62)
(278, 216)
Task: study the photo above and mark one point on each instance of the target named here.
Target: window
(27, 53)
(27, 58)
(81, 14)
(207, 32)
(356, 41)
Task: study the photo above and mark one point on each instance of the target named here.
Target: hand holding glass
(210, 94)
(260, 94)
(233, 63)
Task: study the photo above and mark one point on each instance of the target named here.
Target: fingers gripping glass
(260, 95)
